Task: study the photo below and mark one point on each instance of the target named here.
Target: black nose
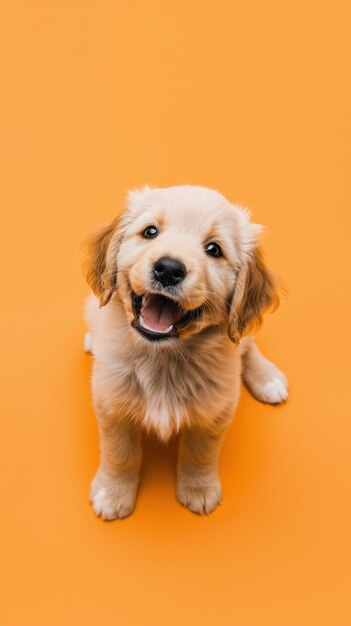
(169, 271)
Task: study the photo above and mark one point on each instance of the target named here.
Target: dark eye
(150, 232)
(213, 249)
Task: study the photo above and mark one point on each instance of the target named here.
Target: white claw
(88, 342)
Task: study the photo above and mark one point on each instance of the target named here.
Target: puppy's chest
(175, 390)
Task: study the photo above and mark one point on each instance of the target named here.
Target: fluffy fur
(188, 383)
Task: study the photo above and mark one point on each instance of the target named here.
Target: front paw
(199, 498)
(275, 391)
(268, 384)
(113, 498)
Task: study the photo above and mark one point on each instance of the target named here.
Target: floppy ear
(255, 293)
(100, 265)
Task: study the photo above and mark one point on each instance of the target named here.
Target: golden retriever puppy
(179, 284)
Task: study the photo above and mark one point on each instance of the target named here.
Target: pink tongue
(159, 313)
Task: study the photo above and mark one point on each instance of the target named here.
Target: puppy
(180, 285)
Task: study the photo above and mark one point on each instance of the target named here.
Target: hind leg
(262, 378)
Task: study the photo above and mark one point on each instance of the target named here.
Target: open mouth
(157, 317)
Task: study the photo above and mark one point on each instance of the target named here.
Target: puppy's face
(183, 259)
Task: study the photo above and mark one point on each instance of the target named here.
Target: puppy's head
(182, 259)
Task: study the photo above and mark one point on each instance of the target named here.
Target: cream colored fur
(190, 384)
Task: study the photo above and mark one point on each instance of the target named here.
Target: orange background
(252, 98)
